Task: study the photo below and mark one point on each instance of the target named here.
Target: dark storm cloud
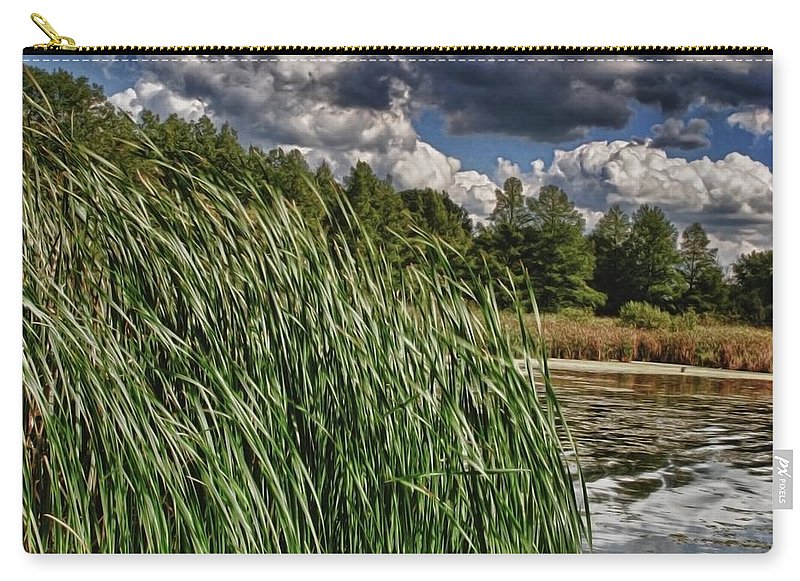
(675, 86)
(674, 133)
(556, 101)
(372, 86)
(545, 101)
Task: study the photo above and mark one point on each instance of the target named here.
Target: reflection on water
(673, 463)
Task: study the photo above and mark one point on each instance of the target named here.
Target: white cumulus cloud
(150, 93)
(474, 191)
(731, 197)
(756, 121)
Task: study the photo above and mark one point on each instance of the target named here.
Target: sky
(692, 135)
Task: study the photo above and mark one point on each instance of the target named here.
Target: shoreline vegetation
(712, 345)
(203, 374)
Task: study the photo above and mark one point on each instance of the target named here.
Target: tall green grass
(205, 376)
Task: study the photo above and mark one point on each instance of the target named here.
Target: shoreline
(650, 368)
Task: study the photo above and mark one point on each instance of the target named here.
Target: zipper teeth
(411, 50)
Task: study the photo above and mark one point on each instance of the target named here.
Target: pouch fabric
(377, 303)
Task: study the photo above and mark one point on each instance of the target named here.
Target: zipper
(57, 41)
(59, 44)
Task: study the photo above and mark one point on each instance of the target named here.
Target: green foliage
(498, 254)
(539, 235)
(545, 240)
(640, 315)
(552, 211)
(609, 242)
(289, 173)
(435, 213)
(81, 109)
(752, 291)
(576, 314)
(510, 210)
(380, 213)
(558, 255)
(686, 321)
(705, 286)
(203, 372)
(653, 260)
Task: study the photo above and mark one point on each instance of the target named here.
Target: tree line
(636, 257)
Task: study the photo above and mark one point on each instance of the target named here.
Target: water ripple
(673, 464)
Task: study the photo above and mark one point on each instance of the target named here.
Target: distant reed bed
(707, 344)
(202, 375)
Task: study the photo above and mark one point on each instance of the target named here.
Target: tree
(653, 259)
(510, 207)
(380, 213)
(435, 213)
(497, 252)
(500, 246)
(752, 291)
(699, 267)
(558, 255)
(81, 111)
(328, 188)
(73, 101)
(289, 172)
(608, 240)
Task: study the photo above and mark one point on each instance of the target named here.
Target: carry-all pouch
(396, 300)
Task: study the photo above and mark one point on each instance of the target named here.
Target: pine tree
(608, 240)
(703, 275)
(558, 255)
(752, 290)
(380, 212)
(499, 247)
(510, 209)
(653, 259)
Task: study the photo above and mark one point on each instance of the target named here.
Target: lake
(673, 463)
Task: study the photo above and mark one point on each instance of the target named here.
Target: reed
(708, 344)
(201, 375)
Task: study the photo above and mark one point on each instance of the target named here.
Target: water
(673, 463)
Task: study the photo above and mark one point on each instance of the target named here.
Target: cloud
(343, 112)
(152, 94)
(545, 101)
(674, 133)
(474, 191)
(730, 249)
(756, 121)
(293, 104)
(272, 103)
(557, 101)
(424, 166)
(731, 197)
(353, 105)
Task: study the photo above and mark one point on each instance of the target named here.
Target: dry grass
(725, 346)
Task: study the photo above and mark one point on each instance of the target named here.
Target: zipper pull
(56, 40)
